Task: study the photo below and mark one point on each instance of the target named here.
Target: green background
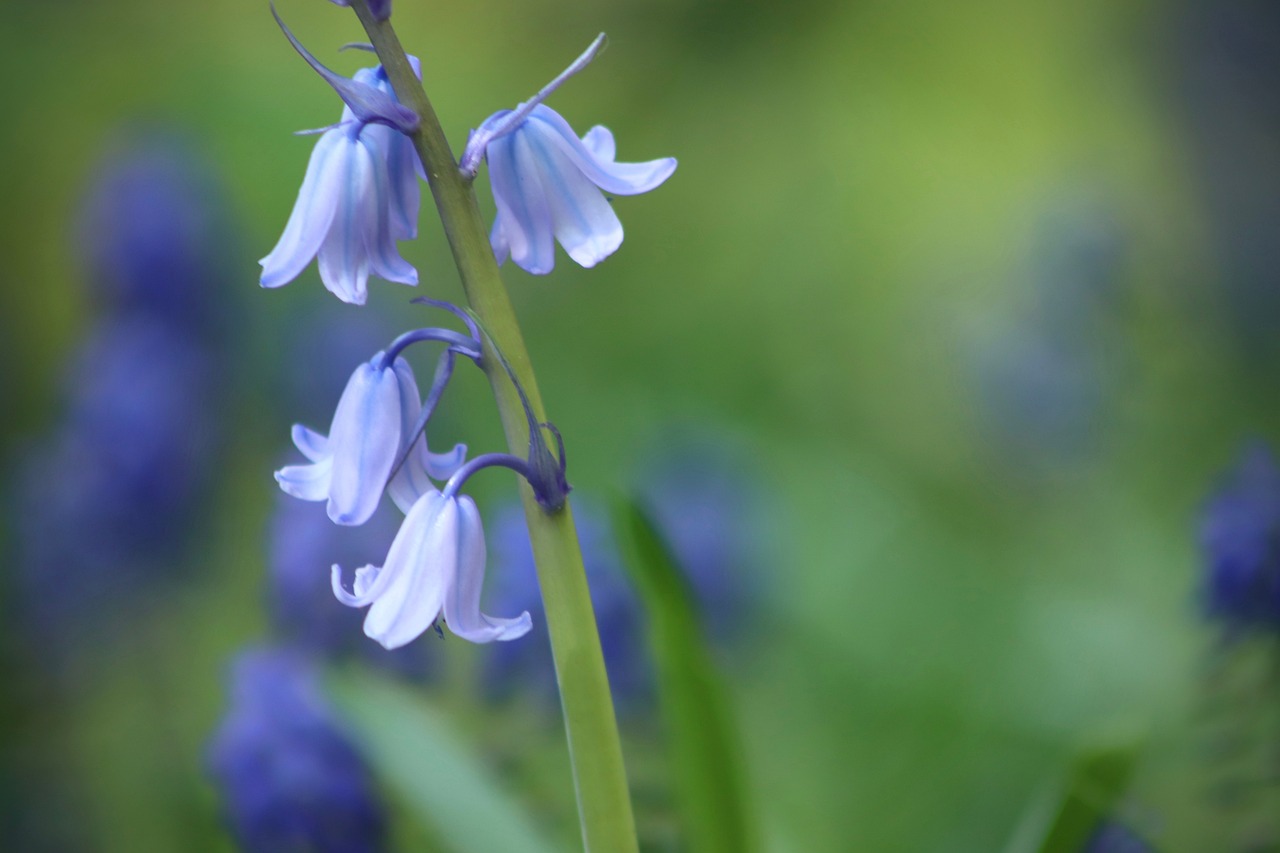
(855, 219)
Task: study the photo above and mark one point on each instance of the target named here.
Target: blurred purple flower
(154, 232)
(109, 498)
(1044, 376)
(303, 545)
(1226, 71)
(710, 513)
(289, 776)
(1113, 837)
(381, 9)
(1240, 540)
(618, 614)
(713, 514)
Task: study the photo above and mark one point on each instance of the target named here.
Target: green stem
(604, 804)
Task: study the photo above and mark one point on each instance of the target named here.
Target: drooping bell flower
(435, 567)
(350, 466)
(359, 196)
(549, 185)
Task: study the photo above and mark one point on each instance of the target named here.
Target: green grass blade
(414, 750)
(704, 754)
(1064, 818)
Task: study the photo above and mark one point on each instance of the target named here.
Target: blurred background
(930, 359)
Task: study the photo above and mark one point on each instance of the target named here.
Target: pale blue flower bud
(435, 566)
(547, 185)
(350, 467)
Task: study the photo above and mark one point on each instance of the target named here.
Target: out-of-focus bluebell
(359, 196)
(435, 566)
(528, 663)
(289, 776)
(323, 343)
(1043, 375)
(153, 235)
(1112, 837)
(700, 491)
(1226, 71)
(1240, 541)
(110, 497)
(349, 467)
(547, 185)
(303, 546)
(381, 9)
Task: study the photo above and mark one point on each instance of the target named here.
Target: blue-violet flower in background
(303, 543)
(349, 467)
(289, 775)
(359, 196)
(547, 185)
(619, 615)
(1112, 837)
(381, 9)
(154, 233)
(1240, 538)
(436, 564)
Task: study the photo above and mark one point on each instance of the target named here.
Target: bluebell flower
(1240, 540)
(289, 775)
(619, 617)
(547, 186)
(1112, 837)
(153, 233)
(110, 497)
(435, 566)
(716, 518)
(303, 544)
(359, 196)
(350, 466)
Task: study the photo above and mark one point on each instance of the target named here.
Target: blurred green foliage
(858, 193)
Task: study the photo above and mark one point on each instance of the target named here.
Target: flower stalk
(595, 751)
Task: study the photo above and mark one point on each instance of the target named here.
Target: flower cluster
(376, 443)
(1240, 539)
(126, 466)
(359, 197)
(290, 774)
(360, 193)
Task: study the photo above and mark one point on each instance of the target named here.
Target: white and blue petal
(360, 195)
(515, 174)
(380, 230)
(547, 187)
(309, 222)
(307, 482)
(583, 220)
(310, 443)
(462, 603)
(409, 592)
(364, 439)
(435, 565)
(344, 262)
(607, 174)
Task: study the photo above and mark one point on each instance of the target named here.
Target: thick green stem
(604, 804)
